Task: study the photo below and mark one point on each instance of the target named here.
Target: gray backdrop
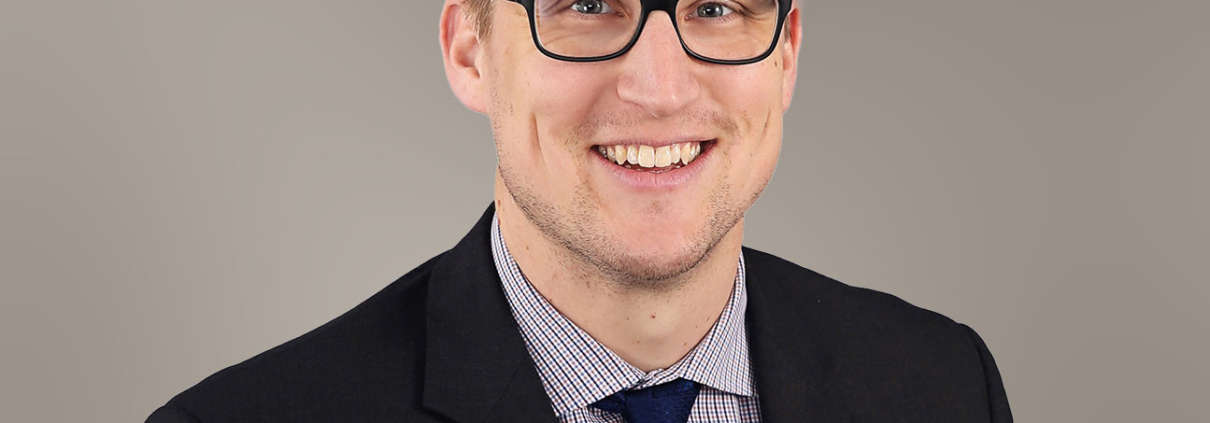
(186, 184)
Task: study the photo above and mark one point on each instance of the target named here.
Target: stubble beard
(586, 244)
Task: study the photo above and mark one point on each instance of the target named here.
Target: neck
(649, 329)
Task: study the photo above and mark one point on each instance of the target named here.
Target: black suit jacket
(440, 345)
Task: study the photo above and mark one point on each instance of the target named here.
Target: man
(608, 282)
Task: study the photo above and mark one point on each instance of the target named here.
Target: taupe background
(186, 184)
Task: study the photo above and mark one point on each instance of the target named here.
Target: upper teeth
(648, 156)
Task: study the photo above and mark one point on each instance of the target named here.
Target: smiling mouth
(646, 158)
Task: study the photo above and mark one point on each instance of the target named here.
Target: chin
(645, 259)
(658, 243)
(653, 272)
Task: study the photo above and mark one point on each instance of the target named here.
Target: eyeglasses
(728, 32)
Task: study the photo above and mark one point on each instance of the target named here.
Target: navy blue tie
(664, 403)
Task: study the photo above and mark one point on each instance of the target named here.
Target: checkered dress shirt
(577, 371)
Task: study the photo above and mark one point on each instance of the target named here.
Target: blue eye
(713, 10)
(591, 7)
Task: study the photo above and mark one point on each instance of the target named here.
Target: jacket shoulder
(837, 302)
(879, 349)
(377, 345)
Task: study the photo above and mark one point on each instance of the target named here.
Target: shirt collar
(577, 371)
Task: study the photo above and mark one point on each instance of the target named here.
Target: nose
(657, 75)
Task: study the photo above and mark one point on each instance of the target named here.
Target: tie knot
(664, 403)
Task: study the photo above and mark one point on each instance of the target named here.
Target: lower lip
(641, 180)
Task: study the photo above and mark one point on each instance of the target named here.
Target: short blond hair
(480, 13)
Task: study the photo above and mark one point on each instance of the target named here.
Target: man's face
(644, 224)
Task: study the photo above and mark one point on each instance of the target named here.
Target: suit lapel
(476, 363)
(788, 363)
(477, 366)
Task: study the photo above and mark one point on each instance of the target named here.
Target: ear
(460, 48)
(791, 41)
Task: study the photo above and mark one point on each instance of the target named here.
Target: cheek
(566, 95)
(752, 95)
(538, 108)
(558, 101)
(756, 107)
(750, 88)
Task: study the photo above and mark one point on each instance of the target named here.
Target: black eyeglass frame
(668, 6)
